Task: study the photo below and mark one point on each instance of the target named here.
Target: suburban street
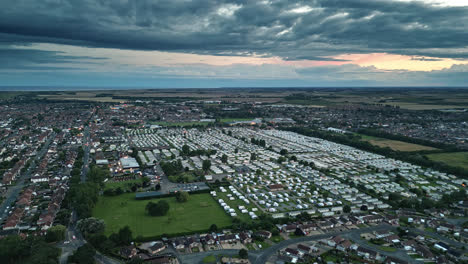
(260, 257)
(14, 191)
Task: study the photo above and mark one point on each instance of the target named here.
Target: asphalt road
(260, 257)
(86, 148)
(267, 253)
(14, 191)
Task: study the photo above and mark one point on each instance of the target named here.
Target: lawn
(457, 159)
(209, 259)
(195, 215)
(394, 144)
(388, 249)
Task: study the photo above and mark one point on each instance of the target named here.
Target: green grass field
(228, 120)
(172, 124)
(457, 159)
(394, 144)
(199, 213)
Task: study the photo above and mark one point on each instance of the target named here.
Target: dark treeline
(417, 158)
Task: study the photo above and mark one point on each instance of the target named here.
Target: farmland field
(195, 215)
(457, 159)
(395, 144)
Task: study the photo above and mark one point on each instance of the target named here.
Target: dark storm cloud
(267, 28)
(32, 59)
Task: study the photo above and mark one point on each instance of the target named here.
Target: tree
(363, 207)
(182, 196)
(157, 209)
(145, 181)
(253, 156)
(206, 165)
(55, 233)
(213, 228)
(91, 225)
(283, 152)
(346, 209)
(185, 150)
(243, 253)
(224, 158)
(83, 255)
(125, 235)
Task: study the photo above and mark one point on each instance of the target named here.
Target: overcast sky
(206, 43)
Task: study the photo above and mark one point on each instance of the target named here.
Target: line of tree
(84, 196)
(32, 249)
(198, 152)
(259, 142)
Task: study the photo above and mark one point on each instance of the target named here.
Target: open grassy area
(457, 159)
(171, 124)
(228, 120)
(394, 144)
(197, 214)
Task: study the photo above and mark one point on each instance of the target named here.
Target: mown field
(395, 144)
(456, 159)
(198, 213)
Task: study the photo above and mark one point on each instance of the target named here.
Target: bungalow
(325, 225)
(409, 245)
(209, 240)
(367, 253)
(156, 248)
(128, 252)
(230, 238)
(344, 245)
(179, 244)
(374, 219)
(445, 227)
(392, 239)
(424, 252)
(289, 228)
(355, 220)
(192, 242)
(291, 251)
(334, 241)
(304, 248)
(263, 234)
(345, 220)
(245, 238)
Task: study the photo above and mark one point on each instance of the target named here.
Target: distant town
(234, 176)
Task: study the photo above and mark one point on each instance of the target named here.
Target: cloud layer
(315, 30)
